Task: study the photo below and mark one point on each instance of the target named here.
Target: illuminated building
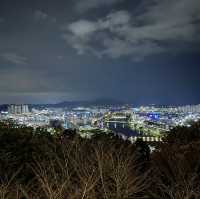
(18, 109)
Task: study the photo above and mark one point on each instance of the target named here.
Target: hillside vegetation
(37, 165)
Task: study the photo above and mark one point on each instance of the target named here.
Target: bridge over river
(122, 129)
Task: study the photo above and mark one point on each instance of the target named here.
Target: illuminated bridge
(116, 123)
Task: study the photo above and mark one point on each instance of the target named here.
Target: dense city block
(149, 123)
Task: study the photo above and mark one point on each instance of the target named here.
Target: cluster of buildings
(18, 109)
(147, 121)
(189, 109)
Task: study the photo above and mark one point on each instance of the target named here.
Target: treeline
(37, 165)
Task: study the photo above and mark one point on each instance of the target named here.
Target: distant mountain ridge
(92, 102)
(97, 102)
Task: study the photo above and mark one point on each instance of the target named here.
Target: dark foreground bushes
(36, 165)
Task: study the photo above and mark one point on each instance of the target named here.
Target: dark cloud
(141, 51)
(14, 58)
(84, 6)
(39, 15)
(137, 35)
(42, 16)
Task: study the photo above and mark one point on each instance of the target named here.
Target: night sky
(137, 51)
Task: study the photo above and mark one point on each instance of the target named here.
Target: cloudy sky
(141, 51)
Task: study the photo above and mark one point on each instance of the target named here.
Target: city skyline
(141, 52)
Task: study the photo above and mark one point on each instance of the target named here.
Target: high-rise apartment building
(18, 109)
